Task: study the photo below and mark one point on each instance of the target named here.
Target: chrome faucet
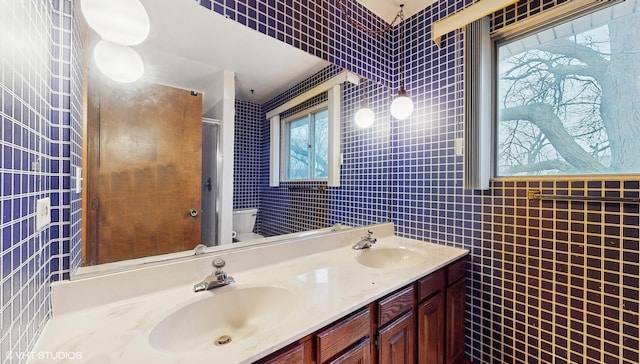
(216, 279)
(365, 242)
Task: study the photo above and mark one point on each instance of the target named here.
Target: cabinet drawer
(360, 354)
(343, 334)
(294, 355)
(395, 305)
(431, 284)
(456, 271)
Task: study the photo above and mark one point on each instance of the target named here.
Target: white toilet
(243, 222)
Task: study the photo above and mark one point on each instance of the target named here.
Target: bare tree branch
(540, 167)
(543, 116)
(570, 70)
(589, 56)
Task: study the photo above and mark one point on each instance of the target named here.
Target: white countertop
(327, 285)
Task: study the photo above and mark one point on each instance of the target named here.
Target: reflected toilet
(244, 220)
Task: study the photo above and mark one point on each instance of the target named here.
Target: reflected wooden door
(144, 161)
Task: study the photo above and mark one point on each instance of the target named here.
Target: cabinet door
(431, 330)
(359, 354)
(455, 322)
(396, 342)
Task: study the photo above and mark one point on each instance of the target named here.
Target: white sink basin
(223, 312)
(389, 258)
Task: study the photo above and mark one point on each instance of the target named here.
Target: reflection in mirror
(163, 186)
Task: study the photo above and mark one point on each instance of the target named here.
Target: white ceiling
(188, 45)
(387, 9)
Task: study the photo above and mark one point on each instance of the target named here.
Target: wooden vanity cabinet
(423, 323)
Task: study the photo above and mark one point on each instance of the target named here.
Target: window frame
(285, 142)
(537, 23)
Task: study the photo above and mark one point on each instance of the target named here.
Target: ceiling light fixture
(119, 63)
(402, 106)
(122, 22)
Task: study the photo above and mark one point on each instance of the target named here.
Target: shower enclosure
(211, 159)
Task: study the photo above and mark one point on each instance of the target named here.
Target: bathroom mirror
(189, 50)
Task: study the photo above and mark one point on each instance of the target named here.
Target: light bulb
(364, 117)
(123, 22)
(119, 63)
(402, 106)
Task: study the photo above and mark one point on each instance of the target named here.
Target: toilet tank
(244, 220)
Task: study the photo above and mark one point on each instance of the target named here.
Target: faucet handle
(218, 263)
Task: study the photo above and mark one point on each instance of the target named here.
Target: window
(568, 96)
(322, 157)
(305, 146)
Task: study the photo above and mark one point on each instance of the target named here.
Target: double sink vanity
(313, 299)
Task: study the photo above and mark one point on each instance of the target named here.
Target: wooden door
(455, 322)
(144, 161)
(431, 330)
(396, 342)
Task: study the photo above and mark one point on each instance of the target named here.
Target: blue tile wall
(547, 282)
(61, 146)
(35, 74)
(75, 138)
(246, 152)
(363, 195)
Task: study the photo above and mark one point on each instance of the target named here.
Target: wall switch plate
(459, 146)
(43, 213)
(78, 179)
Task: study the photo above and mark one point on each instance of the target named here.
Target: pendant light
(123, 22)
(120, 63)
(120, 24)
(402, 106)
(364, 117)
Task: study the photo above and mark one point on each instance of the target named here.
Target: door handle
(193, 212)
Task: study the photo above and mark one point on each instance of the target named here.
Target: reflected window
(305, 146)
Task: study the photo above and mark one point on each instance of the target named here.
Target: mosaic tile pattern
(61, 140)
(75, 139)
(570, 272)
(549, 282)
(363, 195)
(35, 47)
(246, 162)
